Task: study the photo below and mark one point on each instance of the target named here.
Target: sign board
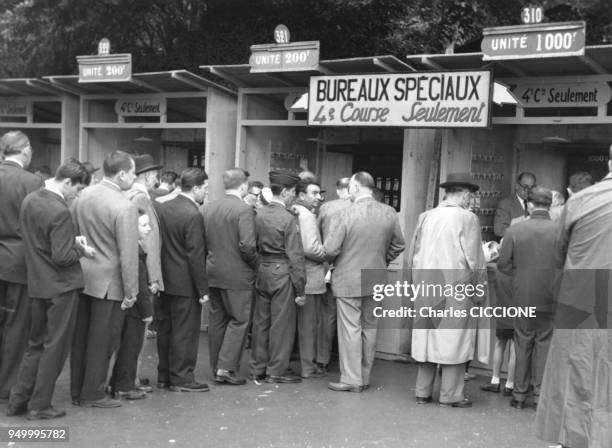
(546, 40)
(15, 108)
(140, 107)
(459, 99)
(105, 68)
(548, 93)
(296, 56)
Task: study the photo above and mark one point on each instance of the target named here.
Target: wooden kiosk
(47, 114)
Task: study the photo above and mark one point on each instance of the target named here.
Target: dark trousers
(274, 320)
(15, 321)
(532, 339)
(132, 338)
(96, 338)
(228, 323)
(326, 328)
(308, 317)
(178, 336)
(51, 332)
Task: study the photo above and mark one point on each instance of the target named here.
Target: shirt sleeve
(64, 249)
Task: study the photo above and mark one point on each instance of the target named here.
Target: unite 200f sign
(432, 99)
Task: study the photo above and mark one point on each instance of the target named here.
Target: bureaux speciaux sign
(459, 99)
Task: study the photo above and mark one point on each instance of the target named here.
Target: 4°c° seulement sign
(442, 99)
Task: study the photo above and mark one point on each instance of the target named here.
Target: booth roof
(154, 82)
(17, 87)
(241, 76)
(597, 60)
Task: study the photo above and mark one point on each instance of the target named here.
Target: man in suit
(515, 205)
(528, 255)
(280, 282)
(109, 222)
(52, 253)
(166, 186)
(326, 330)
(366, 235)
(308, 200)
(186, 286)
(15, 184)
(231, 264)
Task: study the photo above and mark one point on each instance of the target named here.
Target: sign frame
(132, 102)
(487, 123)
(542, 88)
(280, 51)
(538, 29)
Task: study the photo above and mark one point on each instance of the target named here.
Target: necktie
(525, 207)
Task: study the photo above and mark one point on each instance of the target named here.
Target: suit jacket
(327, 211)
(508, 208)
(314, 252)
(139, 196)
(366, 235)
(278, 237)
(528, 255)
(231, 261)
(15, 184)
(143, 307)
(183, 247)
(109, 221)
(51, 252)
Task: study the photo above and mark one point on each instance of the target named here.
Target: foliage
(42, 37)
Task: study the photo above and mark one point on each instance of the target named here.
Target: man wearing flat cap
(446, 249)
(528, 255)
(280, 283)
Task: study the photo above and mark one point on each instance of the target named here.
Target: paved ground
(301, 415)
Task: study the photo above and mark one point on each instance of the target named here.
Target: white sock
(510, 384)
(494, 380)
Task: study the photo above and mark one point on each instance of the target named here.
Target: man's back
(507, 209)
(15, 184)
(328, 210)
(366, 235)
(110, 223)
(183, 251)
(230, 240)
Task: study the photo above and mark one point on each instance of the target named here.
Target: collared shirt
(188, 197)
(522, 201)
(233, 193)
(279, 202)
(141, 188)
(361, 198)
(110, 184)
(11, 159)
(52, 187)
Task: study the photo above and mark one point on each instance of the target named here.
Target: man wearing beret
(528, 255)
(280, 283)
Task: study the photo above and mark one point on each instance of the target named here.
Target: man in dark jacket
(186, 286)
(52, 253)
(528, 254)
(281, 278)
(15, 184)
(231, 263)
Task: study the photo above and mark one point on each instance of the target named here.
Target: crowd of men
(87, 266)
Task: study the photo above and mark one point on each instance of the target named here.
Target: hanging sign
(548, 93)
(105, 68)
(458, 99)
(15, 108)
(538, 40)
(290, 57)
(140, 107)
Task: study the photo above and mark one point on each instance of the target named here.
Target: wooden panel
(335, 165)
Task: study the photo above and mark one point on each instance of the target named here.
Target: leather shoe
(76, 401)
(131, 394)
(105, 403)
(517, 404)
(490, 388)
(283, 379)
(229, 378)
(423, 400)
(465, 403)
(190, 387)
(343, 387)
(163, 385)
(19, 409)
(258, 376)
(318, 373)
(507, 392)
(45, 414)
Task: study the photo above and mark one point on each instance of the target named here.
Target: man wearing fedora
(131, 344)
(279, 285)
(446, 249)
